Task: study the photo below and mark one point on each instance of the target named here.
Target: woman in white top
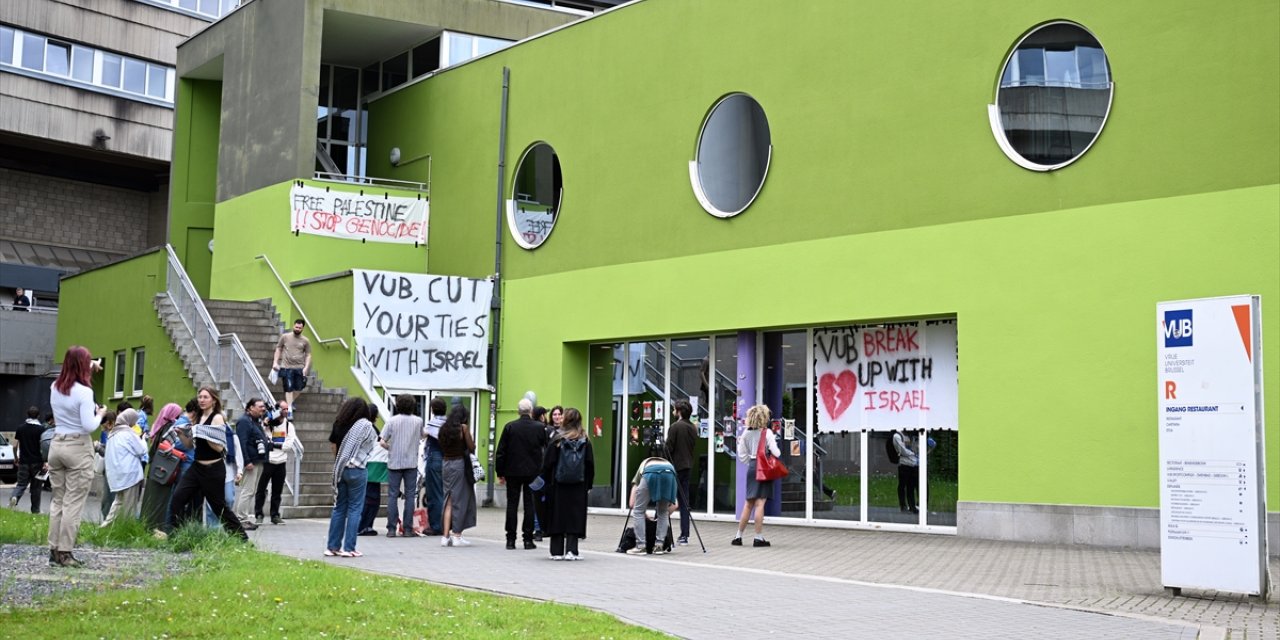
(757, 492)
(71, 454)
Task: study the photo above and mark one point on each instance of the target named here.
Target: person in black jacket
(517, 462)
(255, 448)
(566, 520)
(681, 439)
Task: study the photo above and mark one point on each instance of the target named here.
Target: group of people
(160, 470)
(364, 458)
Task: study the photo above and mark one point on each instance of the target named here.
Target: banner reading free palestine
(371, 217)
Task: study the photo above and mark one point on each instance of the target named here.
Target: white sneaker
(636, 551)
(572, 556)
(557, 558)
(446, 541)
(460, 541)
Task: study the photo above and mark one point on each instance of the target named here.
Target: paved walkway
(823, 583)
(833, 583)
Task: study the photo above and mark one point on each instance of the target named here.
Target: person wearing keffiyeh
(356, 437)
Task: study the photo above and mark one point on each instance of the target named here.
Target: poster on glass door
(886, 376)
(1212, 522)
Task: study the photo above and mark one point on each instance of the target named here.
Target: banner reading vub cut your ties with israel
(421, 331)
(371, 217)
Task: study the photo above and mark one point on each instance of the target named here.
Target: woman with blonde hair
(71, 453)
(758, 492)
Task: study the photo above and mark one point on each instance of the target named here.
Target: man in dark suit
(682, 437)
(517, 462)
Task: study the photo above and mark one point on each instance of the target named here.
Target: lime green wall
(1056, 315)
(258, 223)
(195, 174)
(328, 306)
(878, 119)
(111, 309)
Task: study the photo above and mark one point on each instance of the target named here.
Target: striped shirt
(403, 435)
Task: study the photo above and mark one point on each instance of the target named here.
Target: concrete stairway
(258, 326)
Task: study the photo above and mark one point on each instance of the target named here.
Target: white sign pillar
(1213, 524)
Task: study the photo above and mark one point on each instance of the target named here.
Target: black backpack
(572, 467)
(891, 450)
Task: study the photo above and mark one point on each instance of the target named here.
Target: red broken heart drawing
(837, 391)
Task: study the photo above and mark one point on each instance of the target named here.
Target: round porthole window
(1053, 97)
(535, 196)
(733, 156)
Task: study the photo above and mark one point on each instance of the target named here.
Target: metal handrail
(371, 385)
(298, 307)
(223, 353)
(346, 178)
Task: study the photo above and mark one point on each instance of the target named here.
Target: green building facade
(892, 195)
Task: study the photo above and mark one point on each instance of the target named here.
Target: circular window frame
(695, 179)
(993, 109)
(511, 201)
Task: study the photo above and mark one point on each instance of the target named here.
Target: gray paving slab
(683, 595)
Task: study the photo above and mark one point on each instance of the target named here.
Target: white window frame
(119, 375)
(139, 369)
(95, 83)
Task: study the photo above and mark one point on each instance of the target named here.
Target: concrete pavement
(820, 583)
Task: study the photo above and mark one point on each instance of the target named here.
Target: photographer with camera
(253, 442)
(282, 440)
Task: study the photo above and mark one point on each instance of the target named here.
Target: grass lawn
(235, 591)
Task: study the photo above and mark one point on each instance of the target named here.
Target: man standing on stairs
(293, 362)
(253, 442)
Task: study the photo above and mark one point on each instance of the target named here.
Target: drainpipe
(495, 305)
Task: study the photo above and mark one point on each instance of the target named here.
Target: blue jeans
(434, 484)
(229, 491)
(409, 479)
(344, 522)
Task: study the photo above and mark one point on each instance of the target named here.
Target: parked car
(8, 462)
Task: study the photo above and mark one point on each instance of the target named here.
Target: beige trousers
(125, 505)
(71, 473)
(245, 493)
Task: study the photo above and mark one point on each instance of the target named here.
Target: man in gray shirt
(402, 438)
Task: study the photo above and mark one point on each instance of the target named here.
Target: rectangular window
(82, 64)
(6, 45)
(33, 52)
(395, 71)
(57, 58)
(156, 79)
(135, 76)
(110, 70)
(117, 389)
(209, 7)
(139, 366)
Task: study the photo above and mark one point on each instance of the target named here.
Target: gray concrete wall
(1131, 527)
(70, 115)
(56, 211)
(124, 26)
(270, 53)
(67, 114)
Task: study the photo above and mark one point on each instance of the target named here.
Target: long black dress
(567, 503)
(155, 496)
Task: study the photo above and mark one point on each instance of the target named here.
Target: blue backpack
(572, 467)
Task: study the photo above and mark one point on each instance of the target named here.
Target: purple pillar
(746, 398)
(772, 388)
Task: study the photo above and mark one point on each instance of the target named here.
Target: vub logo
(1177, 328)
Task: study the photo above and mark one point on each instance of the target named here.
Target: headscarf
(168, 415)
(127, 418)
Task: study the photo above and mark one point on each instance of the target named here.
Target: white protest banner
(533, 221)
(372, 217)
(886, 377)
(1213, 532)
(422, 332)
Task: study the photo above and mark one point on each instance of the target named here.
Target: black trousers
(518, 486)
(372, 502)
(682, 478)
(204, 482)
(560, 543)
(273, 473)
(908, 487)
(27, 481)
